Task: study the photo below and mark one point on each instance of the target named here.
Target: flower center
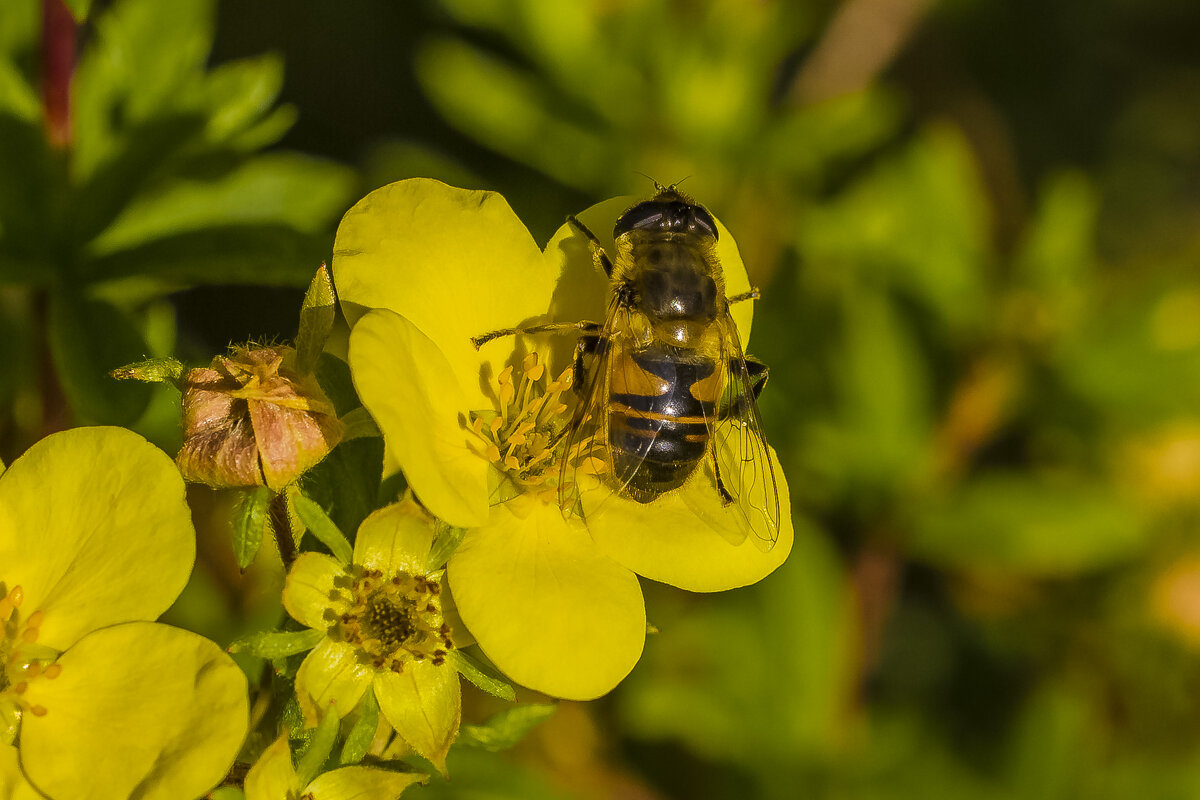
(22, 660)
(521, 438)
(392, 620)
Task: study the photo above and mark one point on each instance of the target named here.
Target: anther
(38, 711)
(53, 671)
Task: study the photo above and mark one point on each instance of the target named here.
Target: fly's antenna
(658, 187)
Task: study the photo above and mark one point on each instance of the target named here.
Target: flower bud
(251, 419)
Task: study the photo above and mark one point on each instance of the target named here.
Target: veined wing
(745, 468)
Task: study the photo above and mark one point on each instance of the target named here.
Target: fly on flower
(666, 393)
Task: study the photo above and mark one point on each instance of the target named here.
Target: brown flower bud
(250, 419)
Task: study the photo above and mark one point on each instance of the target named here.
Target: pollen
(522, 435)
(394, 619)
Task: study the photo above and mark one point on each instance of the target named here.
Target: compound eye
(648, 214)
(705, 222)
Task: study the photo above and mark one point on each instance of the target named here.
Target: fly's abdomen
(656, 428)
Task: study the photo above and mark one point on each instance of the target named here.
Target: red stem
(58, 62)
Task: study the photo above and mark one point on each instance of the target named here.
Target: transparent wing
(589, 472)
(745, 468)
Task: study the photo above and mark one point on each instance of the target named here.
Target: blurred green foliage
(153, 182)
(975, 228)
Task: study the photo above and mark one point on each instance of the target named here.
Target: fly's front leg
(549, 327)
(597, 249)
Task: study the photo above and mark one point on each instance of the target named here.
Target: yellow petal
(361, 783)
(395, 538)
(13, 785)
(310, 590)
(331, 675)
(140, 710)
(273, 776)
(457, 263)
(94, 528)
(685, 539)
(424, 705)
(407, 385)
(545, 606)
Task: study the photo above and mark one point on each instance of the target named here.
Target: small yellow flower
(95, 539)
(253, 419)
(273, 777)
(386, 627)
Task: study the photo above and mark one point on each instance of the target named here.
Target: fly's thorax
(671, 277)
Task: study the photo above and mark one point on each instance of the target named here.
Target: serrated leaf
(318, 748)
(358, 741)
(508, 728)
(321, 526)
(277, 644)
(482, 677)
(250, 519)
(316, 320)
(88, 338)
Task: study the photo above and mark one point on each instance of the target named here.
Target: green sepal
(481, 676)
(507, 728)
(317, 749)
(250, 520)
(447, 541)
(272, 645)
(316, 320)
(322, 527)
(151, 370)
(358, 741)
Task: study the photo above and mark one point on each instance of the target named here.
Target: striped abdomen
(659, 400)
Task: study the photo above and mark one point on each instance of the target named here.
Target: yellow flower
(273, 777)
(95, 539)
(386, 627)
(422, 268)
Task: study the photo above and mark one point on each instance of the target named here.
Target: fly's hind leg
(726, 497)
(597, 249)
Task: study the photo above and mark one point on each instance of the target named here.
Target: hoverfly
(664, 387)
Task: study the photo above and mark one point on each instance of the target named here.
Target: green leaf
(447, 541)
(322, 527)
(334, 376)
(508, 728)
(358, 741)
(481, 676)
(266, 254)
(271, 645)
(88, 338)
(316, 320)
(319, 746)
(143, 154)
(239, 93)
(250, 519)
(302, 192)
(1013, 522)
(25, 193)
(347, 481)
(79, 8)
